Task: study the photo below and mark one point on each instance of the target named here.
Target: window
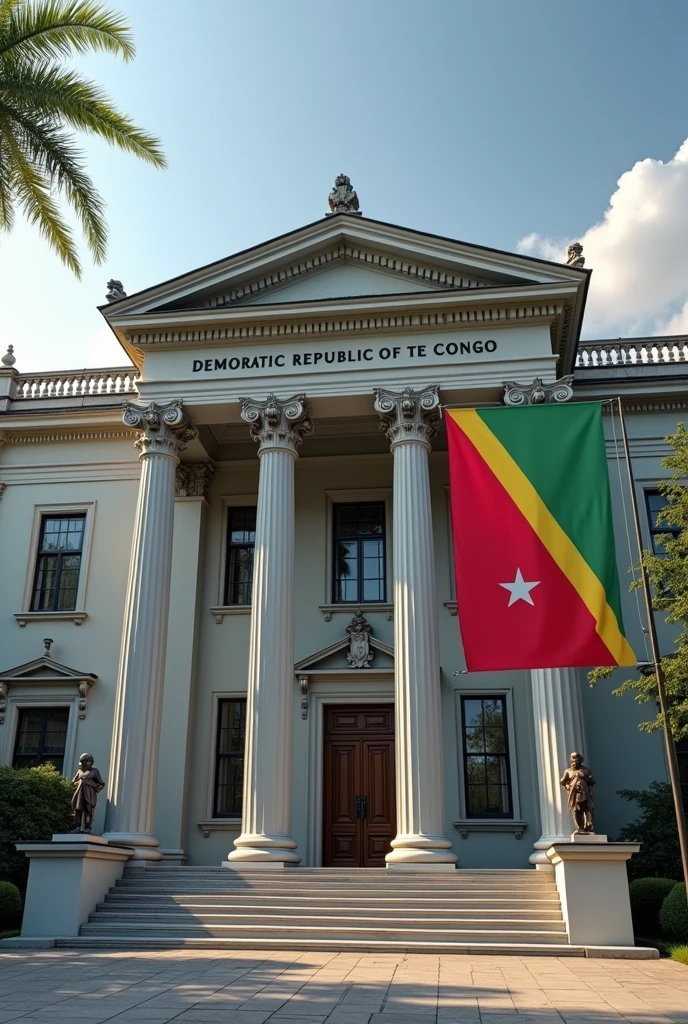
(359, 552)
(655, 502)
(241, 539)
(682, 755)
(58, 563)
(41, 737)
(487, 777)
(229, 758)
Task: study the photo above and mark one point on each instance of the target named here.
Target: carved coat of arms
(360, 653)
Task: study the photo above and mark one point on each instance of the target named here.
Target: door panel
(358, 785)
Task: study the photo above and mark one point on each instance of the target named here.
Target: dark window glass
(682, 754)
(655, 502)
(241, 539)
(58, 564)
(41, 735)
(359, 552)
(229, 758)
(486, 757)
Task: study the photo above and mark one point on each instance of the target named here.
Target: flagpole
(672, 759)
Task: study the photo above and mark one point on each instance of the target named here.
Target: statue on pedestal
(87, 783)
(579, 784)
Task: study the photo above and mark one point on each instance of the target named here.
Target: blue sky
(502, 122)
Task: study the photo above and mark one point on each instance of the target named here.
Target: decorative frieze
(67, 438)
(538, 393)
(408, 415)
(277, 424)
(192, 479)
(162, 429)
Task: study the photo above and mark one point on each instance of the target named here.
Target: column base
(539, 858)
(144, 846)
(421, 853)
(260, 851)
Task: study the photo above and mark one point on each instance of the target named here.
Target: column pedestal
(130, 813)
(266, 842)
(409, 420)
(559, 730)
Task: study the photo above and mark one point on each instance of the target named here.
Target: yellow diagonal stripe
(558, 543)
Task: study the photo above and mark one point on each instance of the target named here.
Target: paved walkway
(61, 986)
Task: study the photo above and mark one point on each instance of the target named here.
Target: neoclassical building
(226, 564)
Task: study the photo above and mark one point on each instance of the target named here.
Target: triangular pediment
(44, 670)
(337, 258)
(358, 652)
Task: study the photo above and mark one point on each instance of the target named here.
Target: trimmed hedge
(34, 803)
(10, 905)
(673, 916)
(647, 896)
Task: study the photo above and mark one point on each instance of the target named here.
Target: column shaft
(421, 843)
(130, 815)
(558, 720)
(266, 826)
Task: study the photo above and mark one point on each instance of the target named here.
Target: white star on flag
(520, 590)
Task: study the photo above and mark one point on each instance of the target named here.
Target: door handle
(361, 806)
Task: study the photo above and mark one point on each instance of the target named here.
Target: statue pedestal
(593, 887)
(588, 837)
(67, 878)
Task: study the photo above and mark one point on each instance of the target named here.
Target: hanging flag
(536, 578)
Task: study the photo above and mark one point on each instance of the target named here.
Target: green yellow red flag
(536, 578)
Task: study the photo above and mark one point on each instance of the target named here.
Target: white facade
(331, 314)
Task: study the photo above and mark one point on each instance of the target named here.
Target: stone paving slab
(293, 987)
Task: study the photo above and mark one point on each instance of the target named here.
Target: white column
(265, 841)
(409, 419)
(558, 714)
(130, 815)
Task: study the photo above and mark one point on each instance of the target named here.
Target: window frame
(362, 496)
(471, 815)
(18, 701)
(220, 609)
(78, 613)
(488, 693)
(229, 547)
(59, 554)
(653, 529)
(212, 822)
(45, 709)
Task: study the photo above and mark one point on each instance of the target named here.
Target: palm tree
(41, 99)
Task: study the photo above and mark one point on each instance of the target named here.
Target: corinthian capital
(163, 429)
(277, 424)
(408, 415)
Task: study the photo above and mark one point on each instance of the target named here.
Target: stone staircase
(329, 909)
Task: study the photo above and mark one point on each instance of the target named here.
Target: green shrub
(647, 896)
(10, 905)
(655, 830)
(673, 916)
(680, 954)
(34, 803)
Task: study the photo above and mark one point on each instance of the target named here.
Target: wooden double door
(358, 785)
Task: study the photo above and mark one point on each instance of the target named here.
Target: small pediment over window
(357, 651)
(46, 672)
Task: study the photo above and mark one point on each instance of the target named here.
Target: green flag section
(536, 578)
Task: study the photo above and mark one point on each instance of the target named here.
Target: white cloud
(638, 253)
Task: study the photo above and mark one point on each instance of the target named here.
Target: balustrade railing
(629, 353)
(78, 383)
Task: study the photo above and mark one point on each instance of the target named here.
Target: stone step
(340, 945)
(427, 924)
(324, 886)
(308, 932)
(116, 902)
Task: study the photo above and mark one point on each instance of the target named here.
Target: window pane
(486, 763)
(241, 538)
(359, 551)
(56, 583)
(41, 735)
(229, 753)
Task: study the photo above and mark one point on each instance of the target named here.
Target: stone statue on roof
(342, 198)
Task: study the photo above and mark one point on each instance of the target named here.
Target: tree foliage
(34, 803)
(655, 830)
(669, 578)
(41, 99)
(673, 916)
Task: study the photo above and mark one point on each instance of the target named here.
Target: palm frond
(58, 28)
(32, 191)
(65, 94)
(6, 201)
(54, 154)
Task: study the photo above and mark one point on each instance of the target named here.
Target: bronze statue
(87, 784)
(579, 784)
